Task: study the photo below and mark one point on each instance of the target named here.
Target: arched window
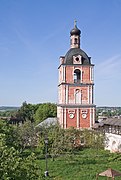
(75, 41)
(78, 96)
(77, 76)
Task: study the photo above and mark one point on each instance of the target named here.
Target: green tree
(26, 135)
(44, 111)
(11, 138)
(13, 163)
(60, 141)
(26, 112)
(14, 166)
(93, 139)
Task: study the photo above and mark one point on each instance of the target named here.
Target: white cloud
(108, 78)
(109, 69)
(22, 37)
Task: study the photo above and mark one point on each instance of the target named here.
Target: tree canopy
(13, 163)
(44, 111)
(34, 112)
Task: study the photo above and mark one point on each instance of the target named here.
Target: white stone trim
(90, 117)
(64, 73)
(92, 73)
(73, 73)
(77, 118)
(65, 120)
(66, 94)
(61, 95)
(81, 75)
(88, 94)
(92, 94)
(93, 116)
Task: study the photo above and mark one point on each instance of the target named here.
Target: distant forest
(8, 108)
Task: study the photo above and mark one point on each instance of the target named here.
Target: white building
(112, 130)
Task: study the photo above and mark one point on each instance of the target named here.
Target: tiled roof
(75, 52)
(113, 122)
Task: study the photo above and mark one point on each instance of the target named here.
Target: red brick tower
(75, 89)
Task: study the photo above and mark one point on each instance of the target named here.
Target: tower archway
(77, 76)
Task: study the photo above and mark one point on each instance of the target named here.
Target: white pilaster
(77, 118)
(93, 115)
(65, 121)
(61, 94)
(66, 94)
(90, 117)
(81, 75)
(90, 73)
(88, 94)
(64, 73)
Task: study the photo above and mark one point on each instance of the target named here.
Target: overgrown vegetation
(72, 154)
(13, 165)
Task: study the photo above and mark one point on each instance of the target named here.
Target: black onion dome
(75, 31)
(75, 52)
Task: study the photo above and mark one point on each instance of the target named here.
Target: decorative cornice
(76, 84)
(76, 65)
(77, 105)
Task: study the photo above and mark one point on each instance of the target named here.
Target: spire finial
(75, 23)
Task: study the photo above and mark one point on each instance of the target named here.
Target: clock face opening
(71, 116)
(84, 116)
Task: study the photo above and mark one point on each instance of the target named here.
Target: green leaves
(26, 112)
(36, 113)
(13, 164)
(44, 111)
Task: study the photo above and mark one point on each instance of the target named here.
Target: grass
(83, 165)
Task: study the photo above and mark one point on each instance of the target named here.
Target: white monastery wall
(113, 142)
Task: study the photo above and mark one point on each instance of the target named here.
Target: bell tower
(76, 86)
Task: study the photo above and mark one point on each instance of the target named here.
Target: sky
(35, 33)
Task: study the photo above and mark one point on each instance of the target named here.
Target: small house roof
(110, 173)
(113, 122)
(48, 122)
